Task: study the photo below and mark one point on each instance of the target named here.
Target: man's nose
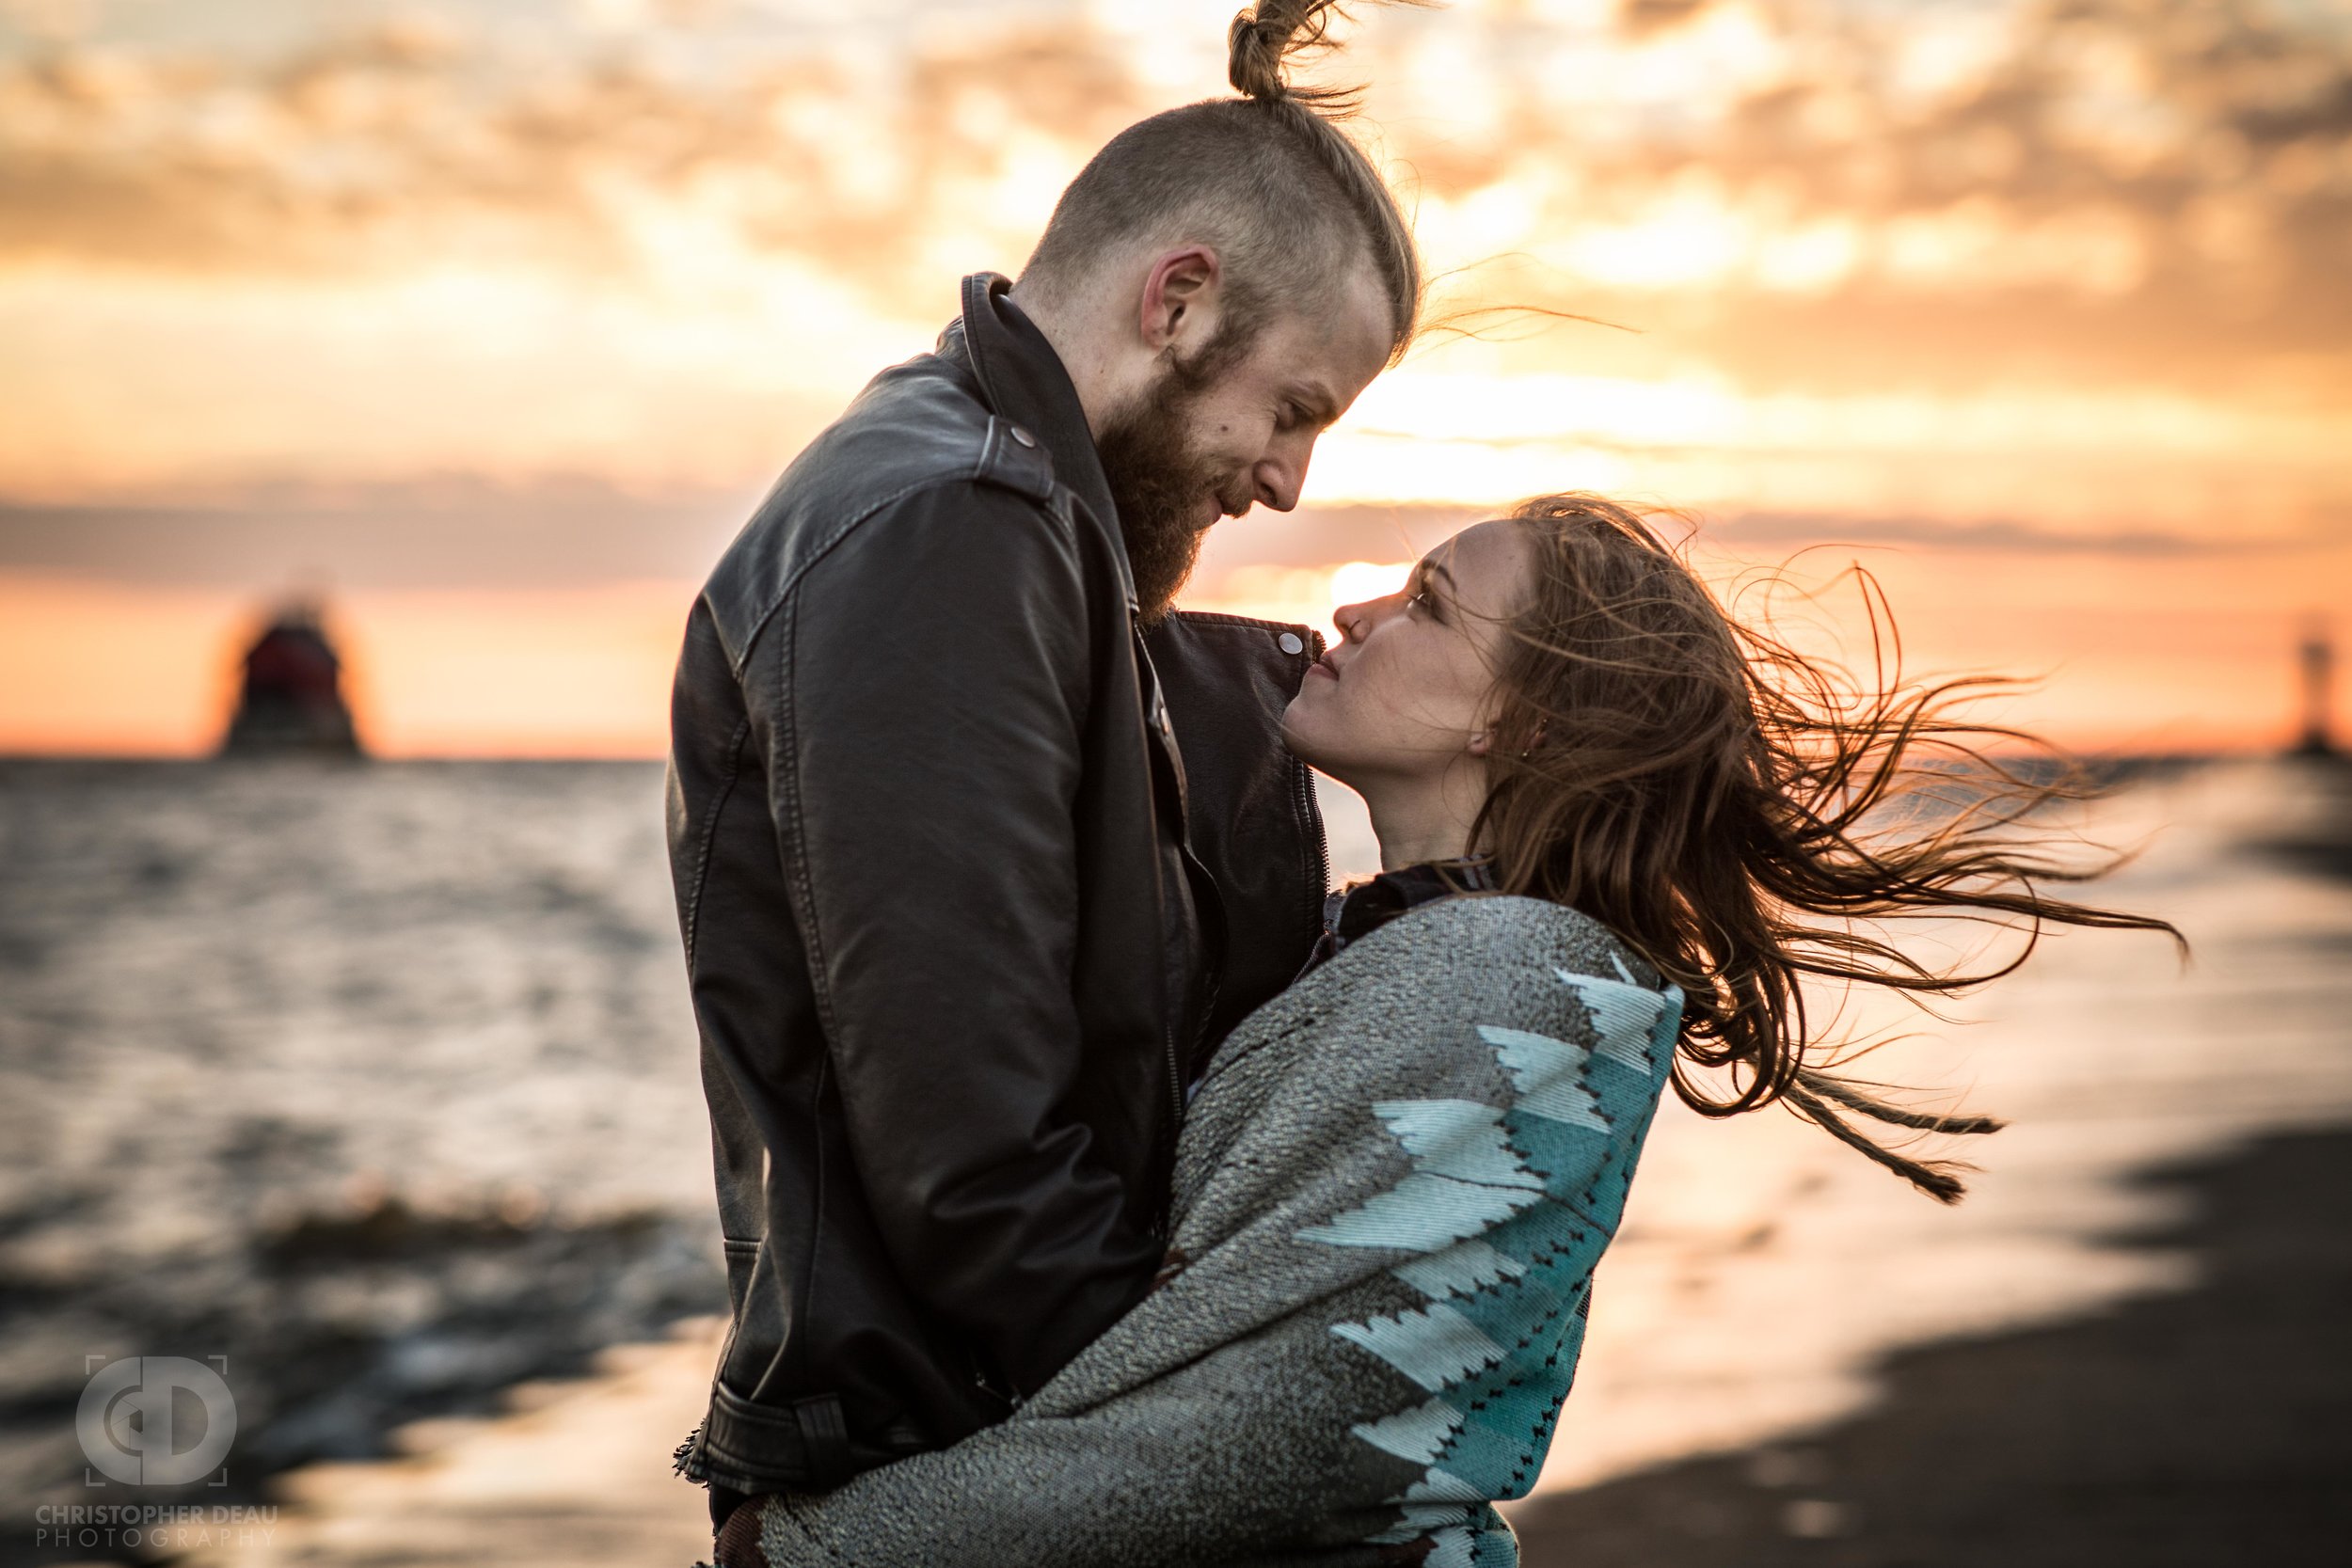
(1280, 475)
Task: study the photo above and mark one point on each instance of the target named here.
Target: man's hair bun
(1271, 179)
(1263, 39)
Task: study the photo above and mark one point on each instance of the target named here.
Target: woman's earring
(1534, 740)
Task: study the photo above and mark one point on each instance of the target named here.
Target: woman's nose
(1350, 619)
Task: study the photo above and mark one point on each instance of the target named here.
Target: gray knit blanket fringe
(1391, 1189)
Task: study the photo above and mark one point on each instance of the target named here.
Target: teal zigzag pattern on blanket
(1508, 1209)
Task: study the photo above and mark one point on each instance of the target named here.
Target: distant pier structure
(2318, 663)
(291, 701)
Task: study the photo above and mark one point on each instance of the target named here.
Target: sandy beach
(2209, 1426)
(574, 1472)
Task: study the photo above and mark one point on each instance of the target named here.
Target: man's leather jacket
(960, 921)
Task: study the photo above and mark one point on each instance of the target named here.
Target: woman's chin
(1298, 735)
(1301, 737)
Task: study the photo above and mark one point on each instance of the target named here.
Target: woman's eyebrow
(1424, 572)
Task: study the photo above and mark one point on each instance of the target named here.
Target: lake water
(378, 1079)
(381, 1080)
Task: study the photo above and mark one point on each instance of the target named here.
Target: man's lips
(1324, 667)
(1221, 507)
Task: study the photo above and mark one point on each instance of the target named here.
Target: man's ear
(1179, 298)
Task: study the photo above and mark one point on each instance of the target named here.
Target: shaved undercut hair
(1268, 179)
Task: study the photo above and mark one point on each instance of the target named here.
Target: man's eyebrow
(1321, 404)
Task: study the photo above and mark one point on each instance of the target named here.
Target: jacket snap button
(1290, 643)
(1022, 437)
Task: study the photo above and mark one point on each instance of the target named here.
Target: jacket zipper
(1321, 882)
(1175, 1077)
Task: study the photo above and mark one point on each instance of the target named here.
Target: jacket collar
(1351, 912)
(1021, 379)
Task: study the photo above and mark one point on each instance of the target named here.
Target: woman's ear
(1489, 717)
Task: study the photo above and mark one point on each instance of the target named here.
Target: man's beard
(1158, 481)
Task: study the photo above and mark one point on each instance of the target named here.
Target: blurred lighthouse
(2318, 671)
(291, 700)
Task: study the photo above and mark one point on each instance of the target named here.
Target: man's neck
(1067, 328)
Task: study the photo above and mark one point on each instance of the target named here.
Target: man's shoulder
(915, 436)
(917, 425)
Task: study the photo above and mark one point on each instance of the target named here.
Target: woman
(1616, 827)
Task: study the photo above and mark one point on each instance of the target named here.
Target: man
(961, 920)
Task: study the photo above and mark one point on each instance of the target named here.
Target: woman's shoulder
(1465, 978)
(1437, 1000)
(1476, 937)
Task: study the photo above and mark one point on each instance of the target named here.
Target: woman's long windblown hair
(1748, 817)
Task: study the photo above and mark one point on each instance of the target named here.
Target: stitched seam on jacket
(817, 1230)
(787, 779)
(710, 837)
(974, 473)
(823, 548)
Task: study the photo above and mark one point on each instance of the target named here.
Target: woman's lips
(1324, 667)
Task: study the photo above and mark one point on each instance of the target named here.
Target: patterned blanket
(1391, 1192)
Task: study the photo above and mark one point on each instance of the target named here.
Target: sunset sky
(490, 318)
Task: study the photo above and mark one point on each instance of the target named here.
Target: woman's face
(1407, 691)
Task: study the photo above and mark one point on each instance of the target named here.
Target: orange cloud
(2190, 153)
(2049, 290)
